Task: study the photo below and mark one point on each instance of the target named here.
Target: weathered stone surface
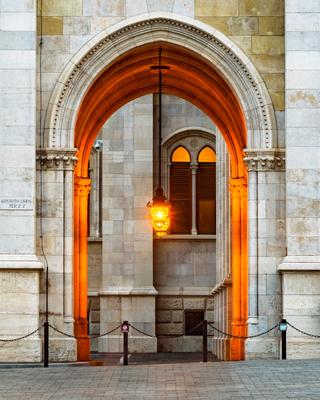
(169, 329)
(168, 303)
(271, 25)
(261, 7)
(216, 8)
(62, 8)
(51, 25)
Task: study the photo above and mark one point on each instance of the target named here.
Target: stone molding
(178, 291)
(56, 159)
(123, 291)
(20, 262)
(300, 264)
(82, 186)
(227, 281)
(105, 47)
(238, 187)
(265, 159)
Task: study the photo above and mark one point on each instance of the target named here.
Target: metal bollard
(205, 341)
(46, 345)
(125, 331)
(283, 329)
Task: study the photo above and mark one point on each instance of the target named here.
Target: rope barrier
(172, 336)
(83, 337)
(106, 333)
(138, 330)
(303, 332)
(21, 337)
(243, 337)
(183, 334)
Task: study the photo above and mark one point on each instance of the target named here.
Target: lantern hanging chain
(160, 116)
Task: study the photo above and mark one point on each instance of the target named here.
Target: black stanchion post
(283, 329)
(125, 331)
(46, 345)
(205, 341)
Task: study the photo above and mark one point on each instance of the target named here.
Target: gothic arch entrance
(207, 70)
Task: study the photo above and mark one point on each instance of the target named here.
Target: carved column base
(237, 348)
(83, 341)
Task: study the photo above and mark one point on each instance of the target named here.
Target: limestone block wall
(184, 274)
(127, 291)
(19, 266)
(257, 27)
(300, 269)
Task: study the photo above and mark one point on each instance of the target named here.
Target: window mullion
(194, 169)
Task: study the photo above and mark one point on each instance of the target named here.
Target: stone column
(222, 289)
(19, 265)
(301, 267)
(127, 291)
(238, 199)
(55, 189)
(95, 192)
(266, 247)
(194, 169)
(81, 197)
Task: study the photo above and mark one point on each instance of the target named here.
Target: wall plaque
(19, 203)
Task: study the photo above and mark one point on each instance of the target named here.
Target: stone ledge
(144, 291)
(227, 281)
(179, 291)
(300, 264)
(20, 262)
(187, 237)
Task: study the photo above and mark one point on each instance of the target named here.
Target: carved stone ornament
(265, 159)
(59, 159)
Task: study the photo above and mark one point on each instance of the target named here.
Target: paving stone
(258, 380)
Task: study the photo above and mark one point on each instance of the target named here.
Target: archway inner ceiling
(190, 77)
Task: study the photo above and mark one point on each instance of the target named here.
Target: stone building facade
(78, 129)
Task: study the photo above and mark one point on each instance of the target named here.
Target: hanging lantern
(160, 206)
(160, 213)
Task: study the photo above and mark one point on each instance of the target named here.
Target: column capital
(264, 159)
(194, 167)
(82, 186)
(238, 186)
(56, 159)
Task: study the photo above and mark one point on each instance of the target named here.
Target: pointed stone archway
(208, 70)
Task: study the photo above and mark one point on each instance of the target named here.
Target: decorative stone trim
(249, 85)
(227, 281)
(123, 291)
(265, 159)
(20, 262)
(58, 159)
(238, 186)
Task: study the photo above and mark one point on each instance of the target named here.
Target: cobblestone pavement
(215, 380)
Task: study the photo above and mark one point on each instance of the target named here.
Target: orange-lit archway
(192, 78)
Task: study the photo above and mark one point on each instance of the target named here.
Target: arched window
(180, 154)
(206, 191)
(180, 191)
(207, 154)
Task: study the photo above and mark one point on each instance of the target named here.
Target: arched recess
(206, 69)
